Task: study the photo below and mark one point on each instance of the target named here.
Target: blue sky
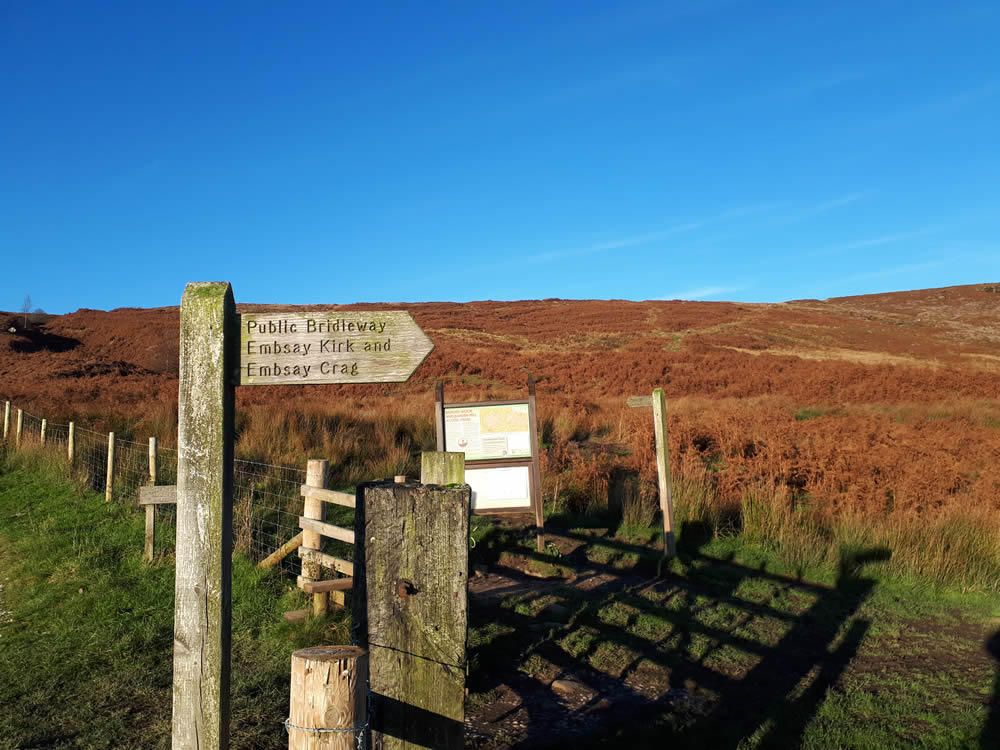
(331, 152)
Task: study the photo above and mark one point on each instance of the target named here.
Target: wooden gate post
(20, 426)
(536, 472)
(209, 357)
(663, 472)
(110, 477)
(6, 419)
(150, 544)
(45, 425)
(71, 443)
(328, 706)
(411, 610)
(312, 508)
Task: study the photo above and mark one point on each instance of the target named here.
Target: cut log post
(6, 419)
(663, 472)
(71, 444)
(441, 467)
(411, 610)
(19, 428)
(209, 358)
(328, 707)
(45, 426)
(109, 482)
(313, 508)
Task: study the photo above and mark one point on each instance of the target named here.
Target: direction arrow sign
(333, 346)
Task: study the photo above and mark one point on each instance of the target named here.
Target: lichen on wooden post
(411, 610)
(442, 467)
(663, 472)
(209, 338)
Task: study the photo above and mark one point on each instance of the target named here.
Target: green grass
(86, 634)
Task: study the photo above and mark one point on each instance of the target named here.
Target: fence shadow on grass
(723, 653)
(990, 739)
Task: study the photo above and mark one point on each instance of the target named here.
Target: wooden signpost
(659, 404)
(218, 349)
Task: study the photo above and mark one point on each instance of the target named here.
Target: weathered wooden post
(328, 707)
(20, 426)
(71, 444)
(150, 544)
(663, 472)
(659, 403)
(45, 425)
(202, 602)
(313, 508)
(109, 483)
(6, 419)
(411, 610)
(536, 472)
(439, 414)
(441, 467)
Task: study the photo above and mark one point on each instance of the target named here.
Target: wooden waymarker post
(411, 609)
(659, 404)
(202, 610)
(218, 349)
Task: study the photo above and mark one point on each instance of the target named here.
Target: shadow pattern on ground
(724, 653)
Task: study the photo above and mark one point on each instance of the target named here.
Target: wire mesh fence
(267, 499)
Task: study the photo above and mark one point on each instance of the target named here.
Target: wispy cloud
(633, 241)
(821, 208)
(702, 292)
(899, 270)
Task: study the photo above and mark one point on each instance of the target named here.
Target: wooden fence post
(6, 419)
(536, 472)
(663, 472)
(20, 426)
(329, 691)
(109, 483)
(71, 444)
(150, 545)
(209, 360)
(439, 415)
(441, 467)
(312, 508)
(411, 610)
(45, 425)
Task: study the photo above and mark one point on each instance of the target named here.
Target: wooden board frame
(532, 461)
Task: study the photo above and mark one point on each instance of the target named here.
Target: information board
(499, 488)
(488, 432)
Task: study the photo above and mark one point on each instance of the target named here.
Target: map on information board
(482, 432)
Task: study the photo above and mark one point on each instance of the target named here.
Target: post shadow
(990, 738)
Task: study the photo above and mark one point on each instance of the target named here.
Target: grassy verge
(86, 628)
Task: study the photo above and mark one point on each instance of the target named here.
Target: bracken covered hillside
(884, 403)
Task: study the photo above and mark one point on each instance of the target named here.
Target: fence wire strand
(267, 498)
